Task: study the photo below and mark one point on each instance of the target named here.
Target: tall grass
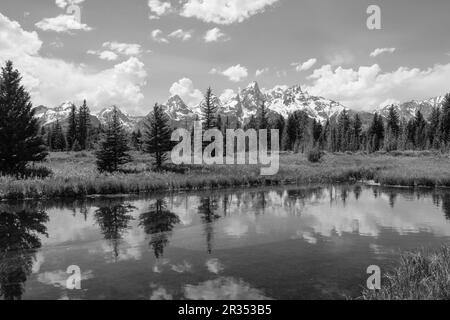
(75, 175)
(421, 276)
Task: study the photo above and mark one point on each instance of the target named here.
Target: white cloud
(379, 51)
(128, 49)
(104, 55)
(215, 35)
(214, 266)
(304, 66)
(62, 23)
(260, 72)
(42, 76)
(158, 8)
(340, 58)
(224, 11)
(63, 3)
(368, 86)
(186, 90)
(157, 35)
(181, 34)
(227, 95)
(234, 73)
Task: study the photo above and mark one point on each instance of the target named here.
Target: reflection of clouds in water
(224, 288)
(38, 261)
(236, 227)
(214, 266)
(59, 278)
(159, 264)
(160, 293)
(182, 268)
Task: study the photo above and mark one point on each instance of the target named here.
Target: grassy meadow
(75, 174)
(421, 275)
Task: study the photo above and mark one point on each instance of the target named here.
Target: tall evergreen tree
(72, 128)
(84, 126)
(20, 141)
(209, 110)
(376, 133)
(58, 139)
(420, 131)
(392, 129)
(433, 132)
(158, 136)
(114, 149)
(263, 122)
(445, 121)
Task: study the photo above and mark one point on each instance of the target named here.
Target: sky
(136, 53)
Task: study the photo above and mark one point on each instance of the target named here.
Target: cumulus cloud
(181, 34)
(62, 23)
(215, 35)
(224, 11)
(43, 76)
(227, 95)
(104, 55)
(304, 66)
(234, 73)
(158, 8)
(368, 87)
(64, 3)
(260, 72)
(158, 36)
(128, 49)
(379, 51)
(186, 90)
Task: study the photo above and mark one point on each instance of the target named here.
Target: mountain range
(280, 100)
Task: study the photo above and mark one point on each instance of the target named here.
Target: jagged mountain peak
(407, 110)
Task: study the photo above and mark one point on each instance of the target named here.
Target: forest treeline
(22, 140)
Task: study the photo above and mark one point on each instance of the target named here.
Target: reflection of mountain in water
(158, 222)
(19, 242)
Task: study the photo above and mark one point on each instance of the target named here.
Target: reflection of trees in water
(19, 242)
(446, 205)
(207, 209)
(357, 190)
(158, 222)
(392, 199)
(114, 220)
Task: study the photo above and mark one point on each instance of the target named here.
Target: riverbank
(75, 174)
(422, 275)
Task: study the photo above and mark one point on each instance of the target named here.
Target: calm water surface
(292, 243)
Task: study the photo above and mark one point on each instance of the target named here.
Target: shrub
(314, 155)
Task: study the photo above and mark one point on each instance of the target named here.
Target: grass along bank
(422, 275)
(75, 174)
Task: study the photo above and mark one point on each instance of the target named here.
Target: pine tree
(58, 139)
(20, 141)
(263, 122)
(209, 110)
(445, 121)
(420, 131)
(72, 128)
(114, 148)
(84, 125)
(158, 136)
(433, 133)
(376, 133)
(357, 131)
(392, 130)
